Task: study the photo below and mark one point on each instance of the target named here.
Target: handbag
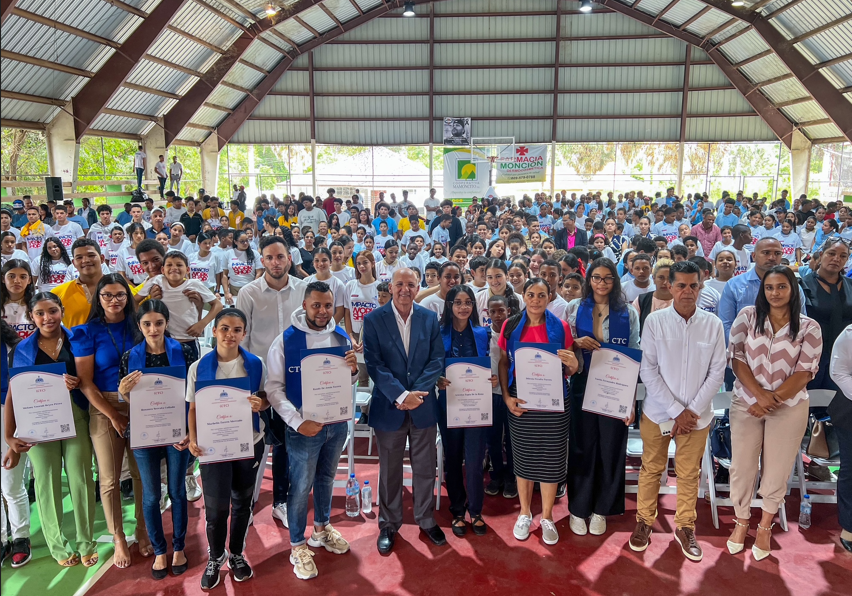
(823, 442)
(720, 438)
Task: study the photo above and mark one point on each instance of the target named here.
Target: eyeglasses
(606, 280)
(113, 297)
(461, 304)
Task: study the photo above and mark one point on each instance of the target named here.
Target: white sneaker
(193, 491)
(302, 559)
(577, 525)
(597, 525)
(522, 527)
(279, 512)
(548, 532)
(330, 539)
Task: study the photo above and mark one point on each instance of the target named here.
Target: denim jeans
(139, 173)
(313, 463)
(148, 461)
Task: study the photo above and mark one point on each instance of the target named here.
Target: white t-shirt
(128, 264)
(101, 234)
(68, 233)
(176, 169)
(338, 288)
(416, 263)
(431, 203)
(719, 247)
(708, 299)
(58, 271)
(16, 316)
(16, 254)
(183, 313)
(717, 285)
(411, 235)
(345, 275)
(384, 272)
(789, 244)
(558, 307)
(36, 243)
(380, 242)
(235, 369)
(205, 269)
(161, 168)
(360, 300)
(631, 291)
(173, 215)
(240, 271)
(138, 159)
(144, 223)
(434, 303)
(311, 218)
(743, 260)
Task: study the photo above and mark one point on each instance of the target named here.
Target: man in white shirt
(162, 171)
(432, 205)
(174, 213)
(139, 160)
(404, 204)
(310, 215)
(101, 230)
(641, 283)
(137, 217)
(683, 367)
(66, 231)
(840, 370)
(175, 174)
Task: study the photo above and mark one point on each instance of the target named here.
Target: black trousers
(597, 450)
(498, 435)
(844, 480)
(228, 488)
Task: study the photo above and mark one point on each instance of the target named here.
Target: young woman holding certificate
(539, 439)
(50, 344)
(228, 485)
(463, 337)
(98, 346)
(159, 351)
(598, 443)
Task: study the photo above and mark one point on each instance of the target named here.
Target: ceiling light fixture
(270, 10)
(408, 11)
(737, 3)
(586, 6)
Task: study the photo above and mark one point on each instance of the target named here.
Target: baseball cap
(18, 204)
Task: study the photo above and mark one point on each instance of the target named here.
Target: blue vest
(4, 372)
(295, 340)
(209, 364)
(174, 351)
(25, 355)
(555, 335)
(619, 327)
(480, 336)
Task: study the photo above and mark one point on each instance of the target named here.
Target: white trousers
(14, 492)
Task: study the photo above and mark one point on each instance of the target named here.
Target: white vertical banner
(467, 173)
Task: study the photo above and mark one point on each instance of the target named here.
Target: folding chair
(819, 398)
(722, 402)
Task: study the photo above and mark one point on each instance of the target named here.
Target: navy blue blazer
(393, 372)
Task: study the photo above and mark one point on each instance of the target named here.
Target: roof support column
(314, 166)
(63, 151)
(684, 107)
(154, 145)
(800, 163)
(210, 164)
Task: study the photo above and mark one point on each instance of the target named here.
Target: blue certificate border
(338, 351)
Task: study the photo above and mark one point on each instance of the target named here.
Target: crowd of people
(737, 293)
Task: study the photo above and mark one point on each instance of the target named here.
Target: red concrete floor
(802, 563)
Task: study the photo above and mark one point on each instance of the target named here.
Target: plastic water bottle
(352, 494)
(805, 513)
(367, 497)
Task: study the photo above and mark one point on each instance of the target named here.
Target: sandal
(71, 561)
(459, 530)
(479, 526)
(90, 560)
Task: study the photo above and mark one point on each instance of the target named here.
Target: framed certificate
(469, 394)
(42, 403)
(223, 420)
(613, 376)
(538, 373)
(326, 386)
(158, 408)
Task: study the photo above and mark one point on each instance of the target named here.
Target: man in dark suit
(404, 354)
(570, 235)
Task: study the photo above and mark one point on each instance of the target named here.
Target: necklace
(53, 353)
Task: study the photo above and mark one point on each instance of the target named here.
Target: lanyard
(123, 340)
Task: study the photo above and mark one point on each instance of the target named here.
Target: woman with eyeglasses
(774, 352)
(158, 350)
(539, 439)
(463, 338)
(596, 472)
(50, 344)
(98, 346)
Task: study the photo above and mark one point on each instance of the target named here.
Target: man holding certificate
(683, 366)
(312, 369)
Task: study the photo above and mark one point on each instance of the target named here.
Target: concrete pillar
(679, 182)
(314, 166)
(800, 164)
(553, 169)
(63, 151)
(210, 164)
(154, 145)
(431, 165)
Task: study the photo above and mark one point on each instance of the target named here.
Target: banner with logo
(528, 164)
(465, 177)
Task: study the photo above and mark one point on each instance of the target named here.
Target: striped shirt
(774, 357)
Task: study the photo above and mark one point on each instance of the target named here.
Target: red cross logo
(522, 151)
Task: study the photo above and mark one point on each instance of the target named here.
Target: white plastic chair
(819, 398)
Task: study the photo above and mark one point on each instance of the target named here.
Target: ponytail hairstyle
(508, 292)
(45, 260)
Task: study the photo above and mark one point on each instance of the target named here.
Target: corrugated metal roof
(254, 131)
(373, 133)
(181, 51)
(262, 55)
(632, 50)
(35, 80)
(343, 56)
(639, 77)
(527, 79)
(111, 22)
(119, 124)
(717, 102)
(414, 29)
(475, 54)
(482, 6)
(707, 75)
(297, 81)
(728, 129)
(193, 134)
(208, 117)
(526, 28)
(40, 41)
(200, 22)
(284, 107)
(24, 110)
(316, 18)
(131, 100)
(225, 96)
(491, 105)
(367, 107)
(683, 10)
(618, 104)
(822, 131)
(586, 25)
(634, 129)
(244, 76)
(159, 77)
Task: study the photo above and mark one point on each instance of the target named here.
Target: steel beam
(54, 24)
(98, 92)
(827, 96)
(431, 74)
(6, 9)
(684, 106)
(230, 125)
(128, 8)
(311, 96)
(25, 124)
(777, 121)
(695, 17)
(79, 72)
(556, 61)
(50, 101)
